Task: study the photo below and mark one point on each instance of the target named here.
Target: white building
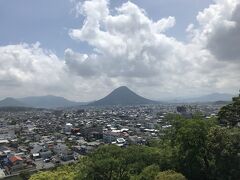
(2, 174)
(68, 127)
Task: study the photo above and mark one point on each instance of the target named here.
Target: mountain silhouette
(214, 97)
(122, 96)
(11, 102)
(48, 101)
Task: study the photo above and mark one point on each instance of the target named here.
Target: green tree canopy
(170, 175)
(230, 114)
(148, 173)
(223, 146)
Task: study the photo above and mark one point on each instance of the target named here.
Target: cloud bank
(129, 48)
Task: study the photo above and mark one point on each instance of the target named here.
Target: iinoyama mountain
(122, 96)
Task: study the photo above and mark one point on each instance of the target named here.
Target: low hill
(48, 101)
(11, 102)
(214, 97)
(210, 98)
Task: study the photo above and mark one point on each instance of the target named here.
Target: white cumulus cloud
(132, 48)
(129, 48)
(219, 29)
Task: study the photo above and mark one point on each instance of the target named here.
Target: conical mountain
(122, 96)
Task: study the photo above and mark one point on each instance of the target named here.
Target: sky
(82, 50)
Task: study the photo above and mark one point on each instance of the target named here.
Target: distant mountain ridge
(214, 97)
(122, 96)
(48, 101)
(11, 102)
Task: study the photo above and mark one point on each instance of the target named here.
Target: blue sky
(48, 21)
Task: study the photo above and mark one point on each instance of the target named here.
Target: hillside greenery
(230, 114)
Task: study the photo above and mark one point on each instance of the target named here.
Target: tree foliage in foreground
(169, 175)
(111, 163)
(230, 114)
(223, 145)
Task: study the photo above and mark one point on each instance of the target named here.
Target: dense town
(37, 139)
